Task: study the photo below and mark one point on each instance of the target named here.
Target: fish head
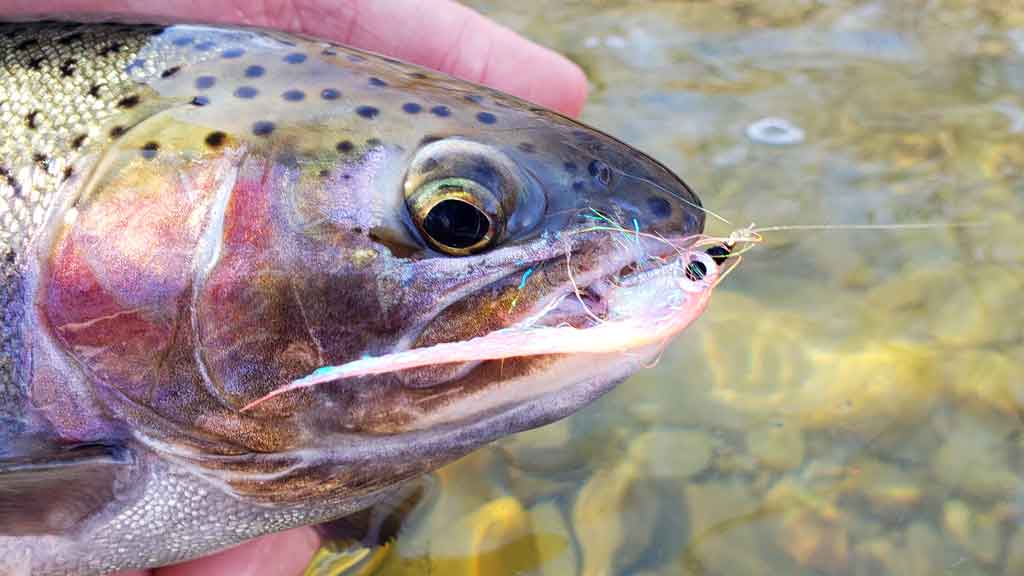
(218, 253)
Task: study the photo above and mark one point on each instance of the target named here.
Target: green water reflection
(851, 403)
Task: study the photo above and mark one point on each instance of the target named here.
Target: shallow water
(851, 402)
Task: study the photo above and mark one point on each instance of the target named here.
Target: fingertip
(281, 554)
(575, 87)
(523, 68)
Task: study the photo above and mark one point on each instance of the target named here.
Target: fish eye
(457, 216)
(696, 270)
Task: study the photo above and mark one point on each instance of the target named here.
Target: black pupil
(696, 270)
(456, 224)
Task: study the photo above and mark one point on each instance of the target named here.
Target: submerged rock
(778, 446)
(976, 460)
(667, 453)
(979, 534)
(1015, 554)
(614, 517)
(891, 491)
(986, 379)
(729, 532)
(553, 537)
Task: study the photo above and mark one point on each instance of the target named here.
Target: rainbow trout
(253, 281)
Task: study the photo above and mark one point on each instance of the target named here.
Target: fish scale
(50, 115)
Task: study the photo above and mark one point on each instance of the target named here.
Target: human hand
(439, 34)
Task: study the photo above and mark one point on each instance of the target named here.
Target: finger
(440, 34)
(282, 554)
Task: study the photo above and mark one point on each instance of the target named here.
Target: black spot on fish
(344, 147)
(367, 111)
(483, 172)
(94, 90)
(262, 128)
(474, 98)
(111, 49)
(67, 69)
(293, 95)
(377, 82)
(487, 118)
(373, 142)
(719, 253)
(231, 53)
(30, 120)
(215, 139)
(418, 75)
(205, 46)
(441, 111)
(128, 101)
(205, 82)
(295, 58)
(600, 171)
(200, 101)
(246, 92)
(527, 147)
(324, 173)
(356, 58)
(255, 71)
(5, 174)
(659, 207)
(77, 142)
(571, 167)
(330, 94)
(182, 41)
(10, 257)
(170, 71)
(149, 150)
(117, 131)
(68, 171)
(411, 108)
(36, 63)
(329, 52)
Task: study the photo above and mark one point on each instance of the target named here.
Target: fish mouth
(643, 278)
(602, 326)
(630, 298)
